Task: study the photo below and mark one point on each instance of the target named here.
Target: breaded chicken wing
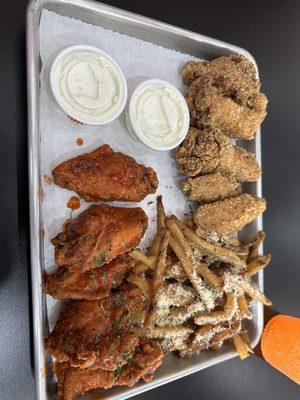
(97, 236)
(225, 94)
(234, 75)
(228, 216)
(143, 363)
(91, 285)
(211, 187)
(208, 150)
(83, 324)
(106, 175)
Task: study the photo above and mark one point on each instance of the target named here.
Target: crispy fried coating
(106, 175)
(97, 236)
(235, 75)
(211, 187)
(91, 285)
(227, 216)
(225, 94)
(83, 324)
(208, 150)
(141, 365)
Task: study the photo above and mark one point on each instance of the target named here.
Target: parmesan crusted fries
(198, 293)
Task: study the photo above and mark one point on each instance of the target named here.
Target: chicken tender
(228, 216)
(91, 285)
(209, 108)
(141, 365)
(224, 94)
(106, 175)
(83, 324)
(208, 150)
(234, 75)
(211, 187)
(97, 236)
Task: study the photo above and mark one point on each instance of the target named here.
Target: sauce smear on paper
(73, 203)
(79, 141)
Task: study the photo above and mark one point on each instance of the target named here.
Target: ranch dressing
(158, 115)
(88, 84)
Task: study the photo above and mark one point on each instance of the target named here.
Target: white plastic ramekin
(157, 115)
(65, 98)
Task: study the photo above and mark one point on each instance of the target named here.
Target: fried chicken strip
(91, 285)
(228, 216)
(235, 75)
(97, 236)
(142, 365)
(224, 94)
(82, 325)
(208, 150)
(211, 187)
(209, 108)
(106, 175)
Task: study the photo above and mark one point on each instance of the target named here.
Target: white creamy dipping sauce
(158, 114)
(88, 84)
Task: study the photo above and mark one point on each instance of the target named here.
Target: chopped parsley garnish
(92, 275)
(69, 346)
(65, 244)
(103, 274)
(127, 357)
(118, 370)
(101, 260)
(86, 236)
(116, 323)
(150, 202)
(97, 336)
(120, 300)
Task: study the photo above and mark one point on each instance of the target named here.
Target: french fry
(225, 335)
(138, 255)
(254, 293)
(177, 316)
(158, 280)
(175, 271)
(209, 276)
(142, 283)
(163, 332)
(243, 307)
(216, 317)
(140, 268)
(257, 264)
(241, 346)
(174, 344)
(204, 334)
(210, 249)
(255, 246)
(176, 295)
(161, 225)
(189, 270)
(202, 269)
(161, 216)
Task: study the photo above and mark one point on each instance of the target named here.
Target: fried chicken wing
(208, 150)
(106, 175)
(230, 215)
(82, 325)
(74, 381)
(97, 236)
(225, 94)
(91, 285)
(235, 75)
(211, 187)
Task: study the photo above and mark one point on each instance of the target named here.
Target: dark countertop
(270, 30)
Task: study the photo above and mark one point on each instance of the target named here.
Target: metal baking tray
(151, 31)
